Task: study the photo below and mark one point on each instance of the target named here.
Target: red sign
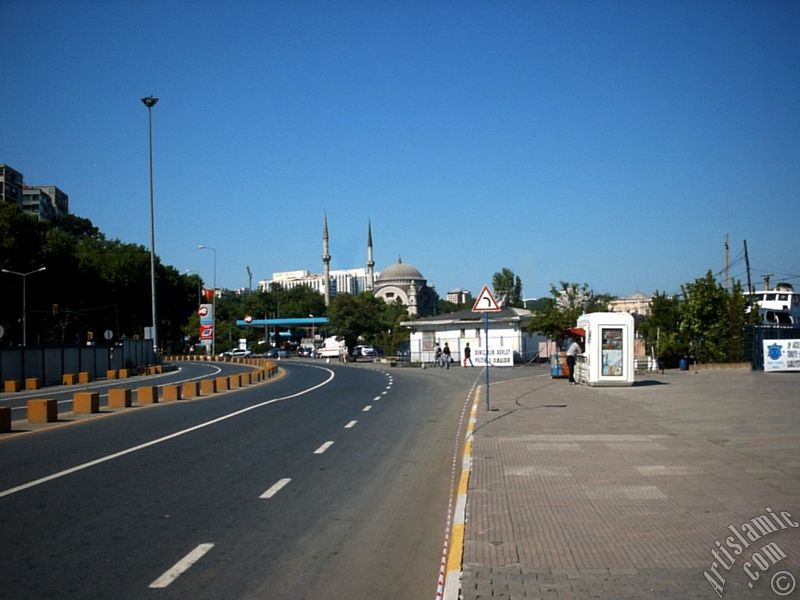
(206, 332)
(203, 311)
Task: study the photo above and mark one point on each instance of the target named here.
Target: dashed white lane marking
(384, 393)
(323, 448)
(181, 566)
(367, 408)
(275, 488)
(376, 398)
(350, 425)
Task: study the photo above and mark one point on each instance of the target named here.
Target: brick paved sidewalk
(584, 493)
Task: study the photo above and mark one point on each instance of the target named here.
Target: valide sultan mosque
(399, 281)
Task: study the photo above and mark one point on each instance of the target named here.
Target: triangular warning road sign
(485, 302)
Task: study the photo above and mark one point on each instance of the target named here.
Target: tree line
(705, 322)
(90, 284)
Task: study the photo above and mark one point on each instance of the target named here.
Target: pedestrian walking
(447, 356)
(437, 360)
(572, 354)
(468, 355)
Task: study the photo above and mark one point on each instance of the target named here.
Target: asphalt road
(332, 482)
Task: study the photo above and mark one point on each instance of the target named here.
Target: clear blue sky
(613, 143)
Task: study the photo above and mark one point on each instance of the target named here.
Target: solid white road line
(161, 440)
(350, 425)
(367, 408)
(181, 566)
(323, 448)
(275, 488)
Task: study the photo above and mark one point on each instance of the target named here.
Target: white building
(509, 341)
(350, 281)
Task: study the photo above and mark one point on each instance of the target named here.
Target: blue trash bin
(683, 364)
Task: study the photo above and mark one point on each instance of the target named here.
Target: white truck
(332, 348)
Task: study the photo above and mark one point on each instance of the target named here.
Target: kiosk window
(612, 351)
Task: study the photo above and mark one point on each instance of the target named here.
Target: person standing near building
(468, 355)
(437, 356)
(572, 354)
(447, 356)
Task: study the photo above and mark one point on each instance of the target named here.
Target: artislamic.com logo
(761, 559)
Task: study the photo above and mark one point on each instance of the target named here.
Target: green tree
(566, 303)
(505, 282)
(660, 329)
(711, 320)
(353, 317)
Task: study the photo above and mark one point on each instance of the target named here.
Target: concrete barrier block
(170, 393)
(32, 383)
(208, 387)
(5, 419)
(42, 410)
(222, 384)
(86, 402)
(147, 394)
(69, 378)
(84, 377)
(190, 389)
(119, 398)
(125, 373)
(233, 382)
(12, 385)
(112, 374)
(244, 379)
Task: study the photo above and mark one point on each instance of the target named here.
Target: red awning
(579, 331)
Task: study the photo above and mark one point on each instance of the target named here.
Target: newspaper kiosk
(608, 355)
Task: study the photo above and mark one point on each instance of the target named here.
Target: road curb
(452, 583)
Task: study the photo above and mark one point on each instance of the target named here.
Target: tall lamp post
(24, 300)
(213, 301)
(150, 102)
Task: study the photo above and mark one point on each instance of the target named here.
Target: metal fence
(754, 337)
(49, 363)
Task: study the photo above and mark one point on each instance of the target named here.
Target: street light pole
(24, 300)
(213, 301)
(150, 102)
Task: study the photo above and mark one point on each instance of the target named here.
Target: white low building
(509, 341)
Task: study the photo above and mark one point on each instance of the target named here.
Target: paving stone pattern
(581, 492)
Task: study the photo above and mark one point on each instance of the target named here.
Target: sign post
(486, 303)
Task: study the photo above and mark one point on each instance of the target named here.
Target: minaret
(326, 261)
(370, 259)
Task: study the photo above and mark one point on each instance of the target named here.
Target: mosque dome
(399, 272)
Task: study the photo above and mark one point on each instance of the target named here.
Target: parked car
(238, 353)
(364, 353)
(277, 353)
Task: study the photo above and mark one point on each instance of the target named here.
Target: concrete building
(637, 304)
(10, 185)
(459, 296)
(44, 201)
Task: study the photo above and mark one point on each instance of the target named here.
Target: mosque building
(399, 282)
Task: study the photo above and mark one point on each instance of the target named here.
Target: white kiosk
(608, 356)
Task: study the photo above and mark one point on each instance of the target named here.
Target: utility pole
(249, 279)
(727, 260)
(766, 280)
(747, 265)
